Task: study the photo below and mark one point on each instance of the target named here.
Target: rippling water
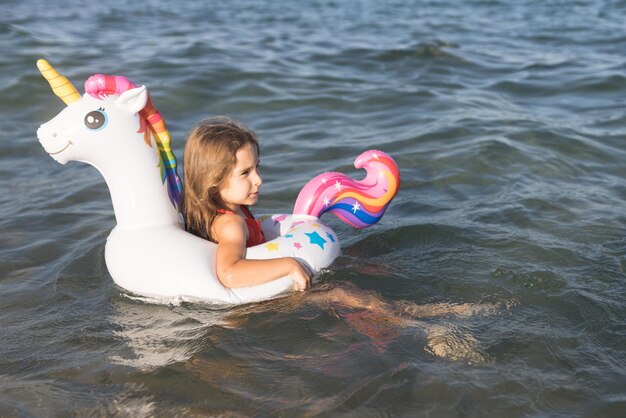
(494, 284)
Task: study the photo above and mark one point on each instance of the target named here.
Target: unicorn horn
(61, 86)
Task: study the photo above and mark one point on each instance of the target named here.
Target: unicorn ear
(133, 100)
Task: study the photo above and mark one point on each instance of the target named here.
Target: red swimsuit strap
(226, 211)
(244, 209)
(255, 231)
(247, 212)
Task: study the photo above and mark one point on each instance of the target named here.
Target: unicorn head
(115, 127)
(85, 129)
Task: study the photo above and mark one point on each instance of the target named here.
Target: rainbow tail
(357, 203)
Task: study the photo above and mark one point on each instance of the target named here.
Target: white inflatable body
(136, 261)
(115, 127)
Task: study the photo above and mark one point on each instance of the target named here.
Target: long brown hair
(210, 155)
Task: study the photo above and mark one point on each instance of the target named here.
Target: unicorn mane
(151, 122)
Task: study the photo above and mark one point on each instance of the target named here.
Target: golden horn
(61, 86)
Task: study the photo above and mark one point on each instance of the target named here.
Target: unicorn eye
(96, 119)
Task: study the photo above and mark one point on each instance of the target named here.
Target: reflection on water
(158, 335)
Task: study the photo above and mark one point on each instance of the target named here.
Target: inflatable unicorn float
(116, 128)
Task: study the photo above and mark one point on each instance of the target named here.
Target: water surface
(494, 283)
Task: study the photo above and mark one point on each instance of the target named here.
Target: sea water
(494, 284)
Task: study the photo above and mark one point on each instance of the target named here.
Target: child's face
(242, 185)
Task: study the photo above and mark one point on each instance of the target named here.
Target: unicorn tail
(357, 203)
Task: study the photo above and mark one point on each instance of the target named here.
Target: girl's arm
(234, 270)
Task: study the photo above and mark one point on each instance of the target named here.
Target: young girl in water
(221, 179)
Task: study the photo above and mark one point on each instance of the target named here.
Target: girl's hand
(301, 276)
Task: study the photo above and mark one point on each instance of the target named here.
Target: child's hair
(210, 155)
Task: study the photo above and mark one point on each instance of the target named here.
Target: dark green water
(500, 266)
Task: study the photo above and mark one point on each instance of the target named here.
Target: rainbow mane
(151, 121)
(358, 203)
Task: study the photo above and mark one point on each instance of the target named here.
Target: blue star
(330, 237)
(316, 239)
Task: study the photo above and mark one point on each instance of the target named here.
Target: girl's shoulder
(226, 217)
(229, 226)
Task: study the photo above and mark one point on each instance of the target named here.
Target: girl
(221, 179)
